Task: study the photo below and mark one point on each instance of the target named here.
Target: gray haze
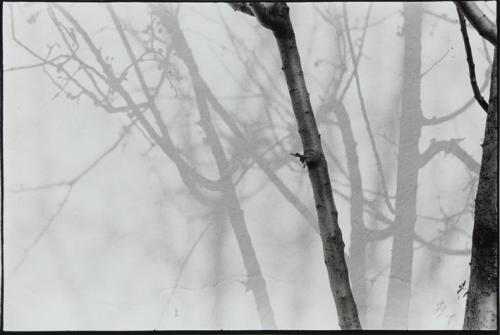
(104, 229)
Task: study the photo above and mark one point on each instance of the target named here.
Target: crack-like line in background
(181, 271)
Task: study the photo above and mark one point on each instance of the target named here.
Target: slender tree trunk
(357, 249)
(482, 300)
(399, 291)
(333, 245)
(255, 281)
(219, 217)
(358, 237)
(276, 18)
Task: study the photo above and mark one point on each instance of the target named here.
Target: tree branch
(436, 120)
(363, 109)
(484, 26)
(441, 250)
(69, 188)
(189, 175)
(470, 62)
(442, 17)
(451, 146)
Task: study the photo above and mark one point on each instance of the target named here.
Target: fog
(105, 230)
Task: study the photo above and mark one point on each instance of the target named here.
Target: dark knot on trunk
(309, 158)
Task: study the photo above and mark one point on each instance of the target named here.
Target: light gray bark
(359, 238)
(399, 290)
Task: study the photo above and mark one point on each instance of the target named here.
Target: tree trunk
(399, 291)
(481, 307)
(255, 281)
(277, 19)
(357, 249)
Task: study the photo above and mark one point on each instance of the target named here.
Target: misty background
(103, 231)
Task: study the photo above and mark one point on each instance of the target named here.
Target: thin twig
(70, 185)
(436, 120)
(435, 63)
(363, 109)
(181, 271)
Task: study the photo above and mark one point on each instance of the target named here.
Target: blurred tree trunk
(481, 307)
(359, 233)
(399, 291)
(255, 281)
(276, 18)
(359, 241)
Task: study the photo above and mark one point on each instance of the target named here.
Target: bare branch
(27, 250)
(470, 62)
(442, 17)
(189, 175)
(435, 63)
(338, 28)
(440, 249)
(69, 184)
(484, 26)
(363, 109)
(436, 120)
(451, 146)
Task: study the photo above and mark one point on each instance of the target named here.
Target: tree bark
(481, 308)
(276, 18)
(399, 290)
